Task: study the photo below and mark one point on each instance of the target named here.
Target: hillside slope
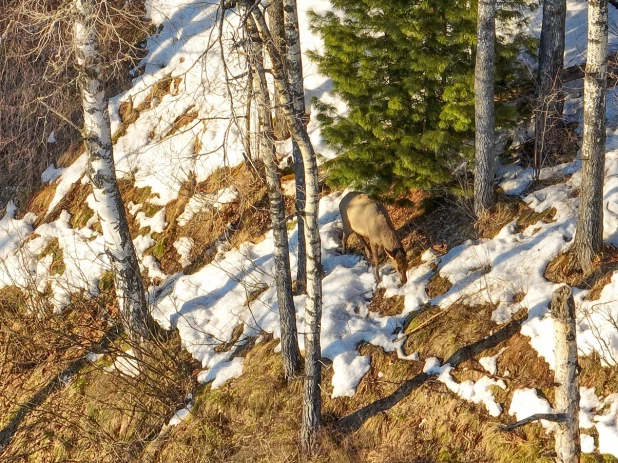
(199, 215)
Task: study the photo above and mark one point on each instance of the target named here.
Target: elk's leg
(344, 241)
(376, 256)
(367, 250)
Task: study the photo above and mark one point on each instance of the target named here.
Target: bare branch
(555, 417)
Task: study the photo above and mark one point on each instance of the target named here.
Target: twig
(424, 324)
(288, 217)
(555, 417)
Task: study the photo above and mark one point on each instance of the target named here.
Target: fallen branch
(427, 322)
(555, 417)
(355, 420)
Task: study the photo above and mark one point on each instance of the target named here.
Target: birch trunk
(312, 401)
(562, 309)
(550, 100)
(589, 234)
(294, 65)
(277, 31)
(283, 278)
(136, 320)
(484, 109)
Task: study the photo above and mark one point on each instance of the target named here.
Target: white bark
(484, 108)
(97, 136)
(312, 401)
(589, 234)
(294, 66)
(562, 309)
(277, 31)
(287, 312)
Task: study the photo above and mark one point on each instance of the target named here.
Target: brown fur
(370, 221)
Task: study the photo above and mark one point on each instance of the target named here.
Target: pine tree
(405, 69)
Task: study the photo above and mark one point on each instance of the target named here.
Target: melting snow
(51, 173)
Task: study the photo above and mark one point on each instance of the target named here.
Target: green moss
(106, 282)
(150, 209)
(57, 266)
(80, 218)
(158, 250)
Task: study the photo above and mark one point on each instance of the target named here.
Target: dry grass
(529, 217)
(245, 220)
(57, 266)
(182, 121)
(40, 201)
(386, 306)
(74, 202)
(97, 416)
(505, 210)
(440, 338)
(129, 113)
(565, 268)
(437, 223)
(256, 419)
(437, 286)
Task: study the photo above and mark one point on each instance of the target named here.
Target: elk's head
(401, 263)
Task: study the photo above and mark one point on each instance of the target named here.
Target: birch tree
(294, 65)
(283, 278)
(484, 108)
(550, 100)
(101, 170)
(589, 233)
(562, 309)
(312, 401)
(277, 30)
(566, 381)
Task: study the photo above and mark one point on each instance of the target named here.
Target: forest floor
(463, 348)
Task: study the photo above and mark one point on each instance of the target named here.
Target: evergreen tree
(405, 69)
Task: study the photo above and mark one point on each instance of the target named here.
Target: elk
(370, 221)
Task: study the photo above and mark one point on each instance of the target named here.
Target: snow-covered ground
(208, 305)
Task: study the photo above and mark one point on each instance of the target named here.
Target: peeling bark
(484, 138)
(287, 312)
(562, 308)
(589, 235)
(294, 66)
(312, 401)
(136, 319)
(277, 30)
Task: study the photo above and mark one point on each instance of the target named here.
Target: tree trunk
(136, 319)
(312, 401)
(283, 278)
(294, 65)
(550, 100)
(484, 109)
(277, 32)
(562, 308)
(589, 234)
